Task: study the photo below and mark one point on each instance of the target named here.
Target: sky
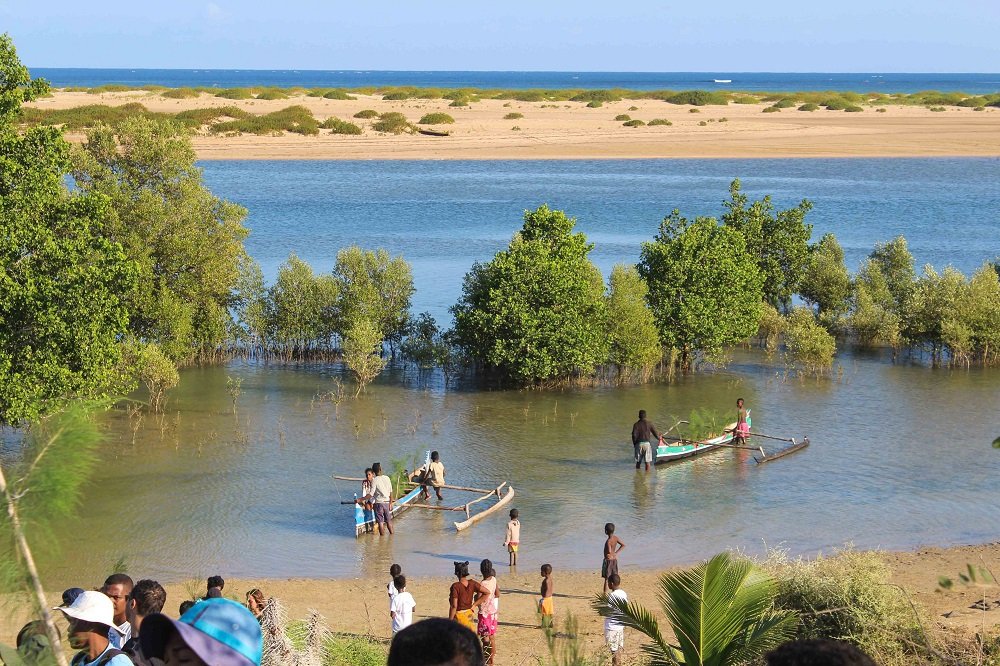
(511, 35)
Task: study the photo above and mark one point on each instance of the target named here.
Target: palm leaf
(635, 616)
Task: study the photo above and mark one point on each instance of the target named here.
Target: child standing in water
(545, 603)
(612, 546)
(513, 538)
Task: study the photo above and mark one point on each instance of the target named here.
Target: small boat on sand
(427, 131)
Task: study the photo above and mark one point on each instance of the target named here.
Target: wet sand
(359, 606)
(573, 131)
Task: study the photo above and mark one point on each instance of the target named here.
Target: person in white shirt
(614, 630)
(402, 606)
(382, 499)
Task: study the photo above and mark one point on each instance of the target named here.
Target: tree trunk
(29, 563)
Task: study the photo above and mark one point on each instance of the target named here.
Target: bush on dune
(659, 121)
(180, 93)
(698, 98)
(513, 115)
(272, 93)
(633, 123)
(235, 93)
(338, 126)
(436, 119)
(199, 117)
(296, 119)
(366, 114)
(393, 123)
(338, 94)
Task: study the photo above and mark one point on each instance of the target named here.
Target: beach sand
(573, 131)
(359, 606)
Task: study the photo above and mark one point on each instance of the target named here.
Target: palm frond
(635, 616)
(769, 632)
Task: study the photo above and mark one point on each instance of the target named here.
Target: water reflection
(900, 457)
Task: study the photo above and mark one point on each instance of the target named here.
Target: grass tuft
(436, 119)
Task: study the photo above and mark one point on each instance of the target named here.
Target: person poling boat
(742, 432)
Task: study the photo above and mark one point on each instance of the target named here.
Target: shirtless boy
(612, 546)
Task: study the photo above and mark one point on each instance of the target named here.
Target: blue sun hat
(220, 631)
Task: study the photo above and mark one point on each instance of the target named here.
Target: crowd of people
(122, 623)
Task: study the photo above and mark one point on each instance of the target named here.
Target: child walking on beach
(513, 538)
(545, 603)
(487, 625)
(614, 630)
(401, 608)
(612, 546)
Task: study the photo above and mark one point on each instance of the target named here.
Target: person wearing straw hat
(91, 617)
(213, 632)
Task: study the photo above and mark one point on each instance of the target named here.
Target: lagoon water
(900, 456)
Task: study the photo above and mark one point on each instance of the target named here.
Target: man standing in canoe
(742, 431)
(643, 435)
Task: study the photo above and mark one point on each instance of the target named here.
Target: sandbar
(571, 130)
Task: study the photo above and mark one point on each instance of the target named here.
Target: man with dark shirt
(643, 435)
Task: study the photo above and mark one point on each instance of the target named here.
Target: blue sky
(560, 35)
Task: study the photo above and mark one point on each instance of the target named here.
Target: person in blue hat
(213, 632)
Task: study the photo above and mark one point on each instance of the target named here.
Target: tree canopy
(705, 290)
(63, 281)
(777, 240)
(535, 312)
(186, 242)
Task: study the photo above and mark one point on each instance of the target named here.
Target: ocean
(884, 82)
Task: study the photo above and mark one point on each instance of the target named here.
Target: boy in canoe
(430, 475)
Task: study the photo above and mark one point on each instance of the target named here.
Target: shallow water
(900, 452)
(900, 457)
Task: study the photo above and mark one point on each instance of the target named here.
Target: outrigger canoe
(364, 520)
(667, 452)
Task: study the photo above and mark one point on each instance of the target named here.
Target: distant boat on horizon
(723, 80)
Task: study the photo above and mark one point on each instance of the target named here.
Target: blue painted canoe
(667, 452)
(364, 521)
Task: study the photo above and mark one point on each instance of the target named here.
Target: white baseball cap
(92, 607)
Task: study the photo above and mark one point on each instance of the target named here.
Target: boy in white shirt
(394, 570)
(402, 606)
(614, 630)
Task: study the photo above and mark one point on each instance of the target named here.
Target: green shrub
(723, 119)
(339, 126)
(857, 109)
(180, 93)
(784, 103)
(745, 99)
(87, 116)
(595, 104)
(596, 96)
(513, 115)
(634, 123)
(659, 121)
(702, 124)
(937, 109)
(622, 117)
(971, 102)
(694, 110)
(516, 128)
(809, 106)
(109, 88)
(633, 108)
(199, 117)
(235, 93)
(978, 108)
(296, 119)
(770, 109)
(881, 110)
(849, 597)
(835, 103)
(338, 93)
(698, 98)
(395, 96)
(350, 650)
(366, 114)
(272, 93)
(460, 102)
(392, 123)
(436, 119)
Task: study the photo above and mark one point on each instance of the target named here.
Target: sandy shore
(358, 606)
(570, 130)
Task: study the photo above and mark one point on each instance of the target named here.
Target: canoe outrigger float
(670, 449)
(364, 519)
